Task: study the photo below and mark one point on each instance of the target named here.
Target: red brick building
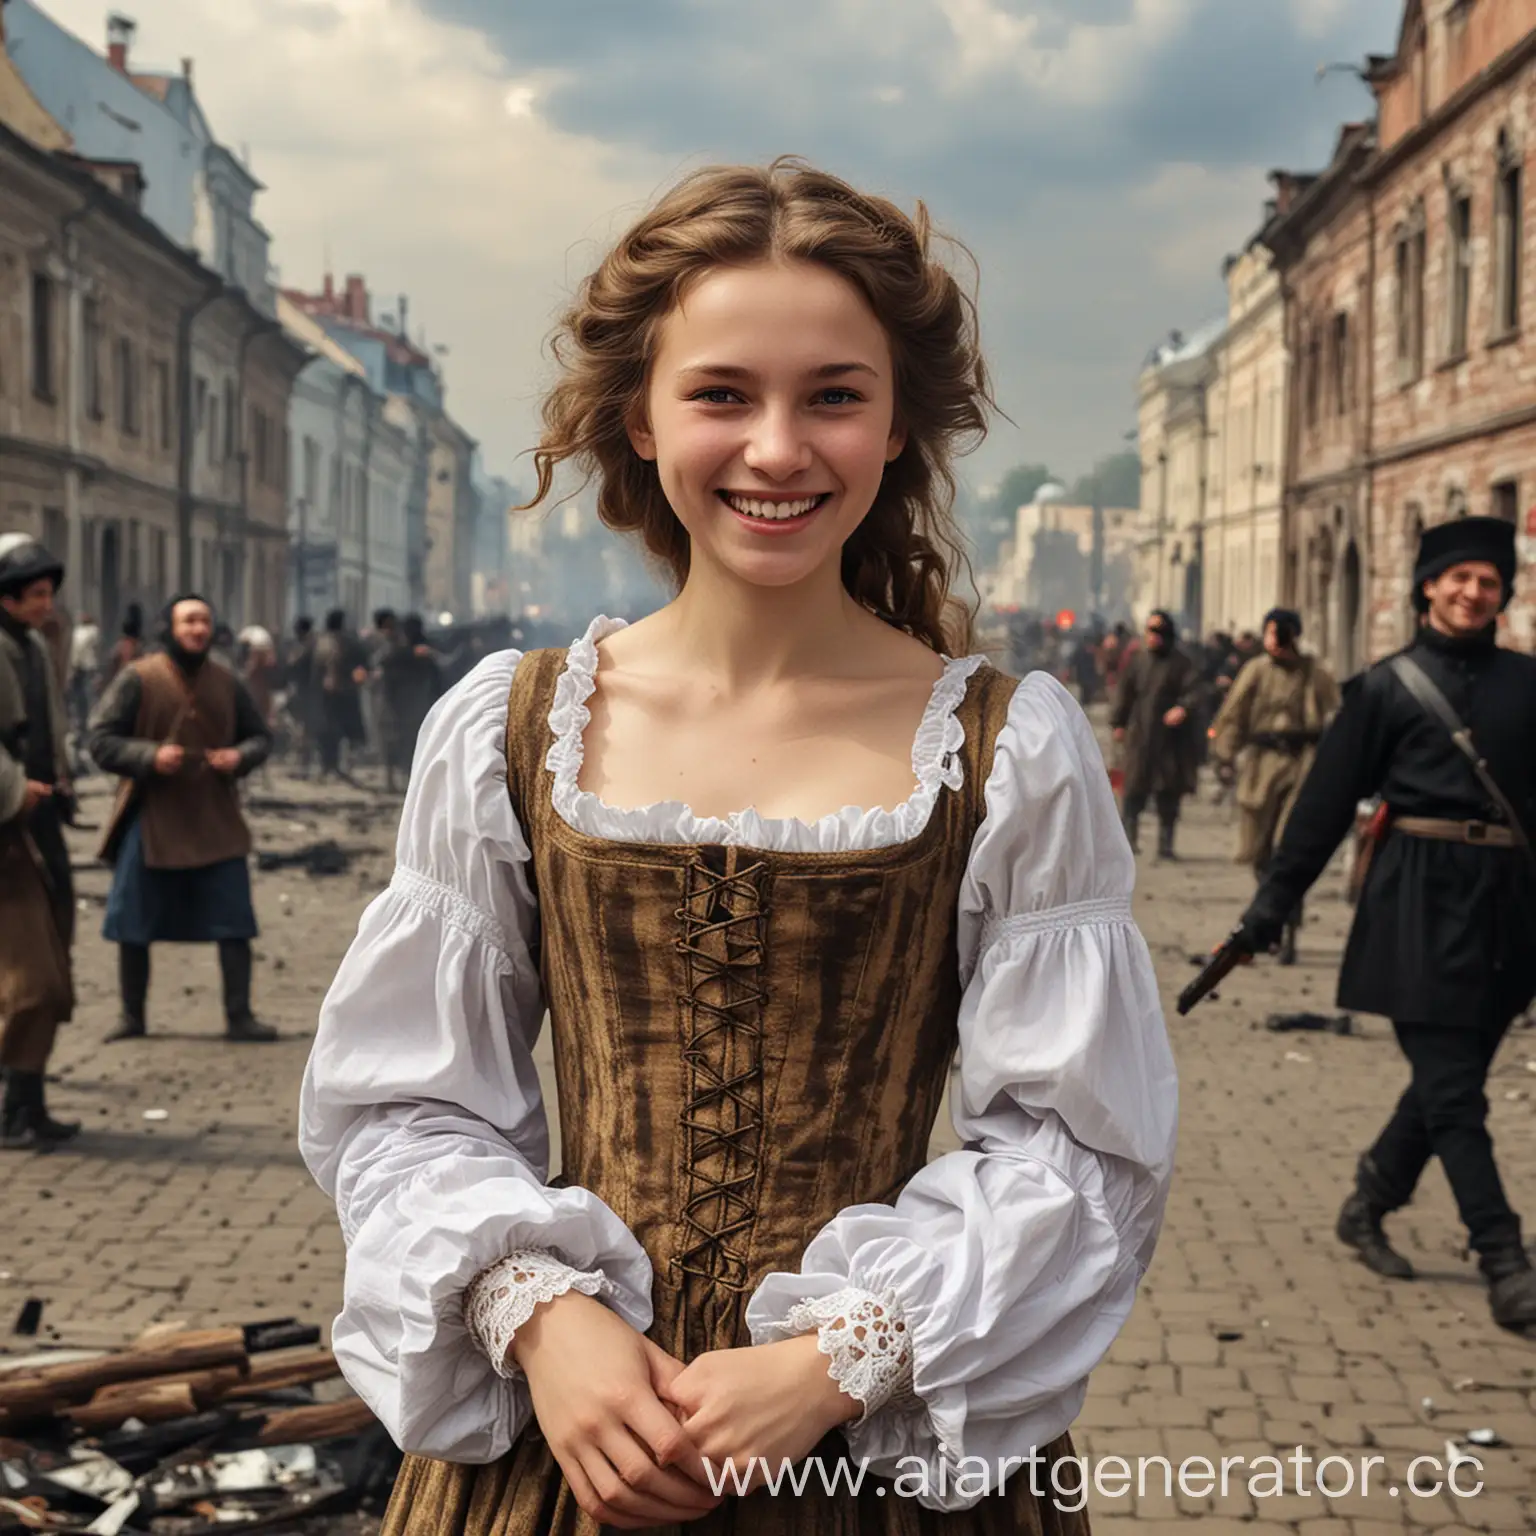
(1321, 237)
(1454, 408)
(1410, 273)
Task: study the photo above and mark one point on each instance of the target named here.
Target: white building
(1173, 432)
(1246, 426)
(350, 476)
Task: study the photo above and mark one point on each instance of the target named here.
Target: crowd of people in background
(333, 697)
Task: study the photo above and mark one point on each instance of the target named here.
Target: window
(160, 374)
(127, 387)
(231, 420)
(159, 572)
(1507, 245)
(42, 336)
(260, 446)
(1459, 276)
(311, 471)
(1410, 298)
(1313, 378)
(1506, 501)
(95, 407)
(1342, 384)
(213, 429)
(56, 531)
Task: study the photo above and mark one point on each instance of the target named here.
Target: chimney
(120, 30)
(405, 317)
(186, 70)
(357, 300)
(328, 292)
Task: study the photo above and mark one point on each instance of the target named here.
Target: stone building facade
(1241, 541)
(1173, 430)
(1409, 273)
(1453, 427)
(440, 500)
(143, 400)
(1322, 241)
(91, 297)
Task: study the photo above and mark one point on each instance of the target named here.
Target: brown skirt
(524, 1494)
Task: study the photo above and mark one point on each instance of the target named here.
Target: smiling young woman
(768, 858)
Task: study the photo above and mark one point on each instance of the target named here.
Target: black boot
(1359, 1225)
(47, 1128)
(235, 967)
(1511, 1284)
(1133, 832)
(27, 1125)
(133, 989)
(1165, 851)
(15, 1118)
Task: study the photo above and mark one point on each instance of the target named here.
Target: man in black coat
(1444, 936)
(1156, 715)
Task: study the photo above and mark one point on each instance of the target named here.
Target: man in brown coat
(37, 904)
(1155, 714)
(1274, 712)
(182, 731)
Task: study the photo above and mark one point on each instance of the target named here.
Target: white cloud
(1196, 215)
(1080, 65)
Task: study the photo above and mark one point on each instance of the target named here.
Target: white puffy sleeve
(421, 1114)
(1008, 1268)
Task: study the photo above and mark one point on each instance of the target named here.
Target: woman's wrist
(831, 1404)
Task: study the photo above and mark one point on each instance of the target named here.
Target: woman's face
(770, 416)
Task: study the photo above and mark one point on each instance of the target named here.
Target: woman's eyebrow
(736, 371)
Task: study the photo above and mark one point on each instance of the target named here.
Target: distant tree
(1115, 479)
(990, 519)
(1019, 486)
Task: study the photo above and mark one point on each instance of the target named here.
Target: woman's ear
(641, 438)
(895, 443)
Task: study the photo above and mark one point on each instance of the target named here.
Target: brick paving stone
(1254, 1333)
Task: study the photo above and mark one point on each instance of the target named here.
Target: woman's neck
(747, 636)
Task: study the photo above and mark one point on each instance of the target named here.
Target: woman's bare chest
(798, 760)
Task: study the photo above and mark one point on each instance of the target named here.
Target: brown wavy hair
(901, 560)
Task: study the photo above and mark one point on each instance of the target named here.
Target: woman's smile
(766, 512)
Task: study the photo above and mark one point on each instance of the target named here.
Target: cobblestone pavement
(1255, 1334)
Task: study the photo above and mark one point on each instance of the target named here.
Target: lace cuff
(500, 1299)
(866, 1341)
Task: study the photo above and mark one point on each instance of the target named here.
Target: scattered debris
(326, 857)
(1228, 1335)
(1331, 1024)
(1485, 1437)
(1297, 1056)
(29, 1318)
(1427, 1404)
(187, 1432)
(157, 1114)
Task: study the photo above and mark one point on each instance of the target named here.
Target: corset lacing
(723, 920)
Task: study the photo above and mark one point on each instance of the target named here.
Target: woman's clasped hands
(639, 1435)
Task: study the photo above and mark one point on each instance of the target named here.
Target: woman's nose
(778, 446)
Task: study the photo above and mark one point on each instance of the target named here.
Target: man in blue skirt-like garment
(181, 731)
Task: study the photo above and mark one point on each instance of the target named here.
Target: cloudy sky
(1099, 157)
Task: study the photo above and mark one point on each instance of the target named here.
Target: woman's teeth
(772, 511)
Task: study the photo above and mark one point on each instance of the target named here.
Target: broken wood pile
(184, 1409)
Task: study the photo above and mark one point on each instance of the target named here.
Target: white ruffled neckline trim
(936, 764)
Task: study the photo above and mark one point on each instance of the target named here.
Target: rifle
(1231, 953)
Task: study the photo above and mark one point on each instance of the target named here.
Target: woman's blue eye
(716, 396)
(848, 397)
